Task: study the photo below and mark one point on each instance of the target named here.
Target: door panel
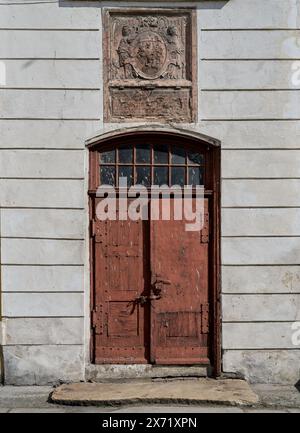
(121, 323)
(179, 281)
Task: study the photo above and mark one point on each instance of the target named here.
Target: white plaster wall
(52, 101)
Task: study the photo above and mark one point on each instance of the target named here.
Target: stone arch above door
(107, 135)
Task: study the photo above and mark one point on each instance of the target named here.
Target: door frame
(102, 139)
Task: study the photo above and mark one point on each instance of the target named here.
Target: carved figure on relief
(125, 52)
(175, 68)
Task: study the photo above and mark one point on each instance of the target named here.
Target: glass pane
(142, 154)
(108, 156)
(178, 176)
(125, 154)
(143, 176)
(126, 171)
(178, 156)
(195, 158)
(195, 176)
(107, 175)
(161, 154)
(161, 176)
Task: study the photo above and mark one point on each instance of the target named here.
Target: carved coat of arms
(149, 51)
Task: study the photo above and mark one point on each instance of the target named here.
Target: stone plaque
(149, 65)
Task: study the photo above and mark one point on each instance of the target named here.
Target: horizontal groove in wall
(254, 294)
(82, 178)
(82, 89)
(204, 59)
(82, 239)
(43, 345)
(260, 207)
(256, 265)
(272, 149)
(258, 236)
(101, 124)
(268, 294)
(251, 148)
(260, 178)
(95, 29)
(42, 293)
(262, 349)
(296, 89)
(42, 208)
(42, 178)
(77, 149)
(42, 264)
(44, 238)
(44, 29)
(97, 89)
(241, 29)
(245, 119)
(84, 149)
(50, 58)
(44, 317)
(260, 321)
(208, 59)
(86, 119)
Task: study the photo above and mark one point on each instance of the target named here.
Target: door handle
(158, 285)
(144, 299)
(162, 281)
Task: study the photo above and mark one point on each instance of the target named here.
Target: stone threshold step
(234, 392)
(113, 372)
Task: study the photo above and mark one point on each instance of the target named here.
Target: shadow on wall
(216, 4)
(1, 366)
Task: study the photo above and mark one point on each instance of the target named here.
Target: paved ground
(14, 399)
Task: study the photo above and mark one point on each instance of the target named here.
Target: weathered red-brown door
(120, 320)
(179, 274)
(153, 282)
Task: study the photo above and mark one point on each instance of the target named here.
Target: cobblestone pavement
(33, 399)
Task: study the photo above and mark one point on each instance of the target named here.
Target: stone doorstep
(233, 392)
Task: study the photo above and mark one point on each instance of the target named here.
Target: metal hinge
(96, 318)
(95, 231)
(205, 318)
(205, 229)
(92, 228)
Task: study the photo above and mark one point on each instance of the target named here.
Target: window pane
(143, 176)
(126, 171)
(108, 156)
(178, 156)
(195, 158)
(178, 176)
(125, 154)
(107, 175)
(195, 176)
(161, 176)
(142, 154)
(161, 154)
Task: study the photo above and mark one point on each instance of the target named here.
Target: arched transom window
(151, 164)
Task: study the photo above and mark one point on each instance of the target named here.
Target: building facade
(213, 87)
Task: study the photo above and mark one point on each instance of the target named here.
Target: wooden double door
(150, 278)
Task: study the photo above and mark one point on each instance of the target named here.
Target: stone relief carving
(153, 104)
(146, 70)
(150, 48)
